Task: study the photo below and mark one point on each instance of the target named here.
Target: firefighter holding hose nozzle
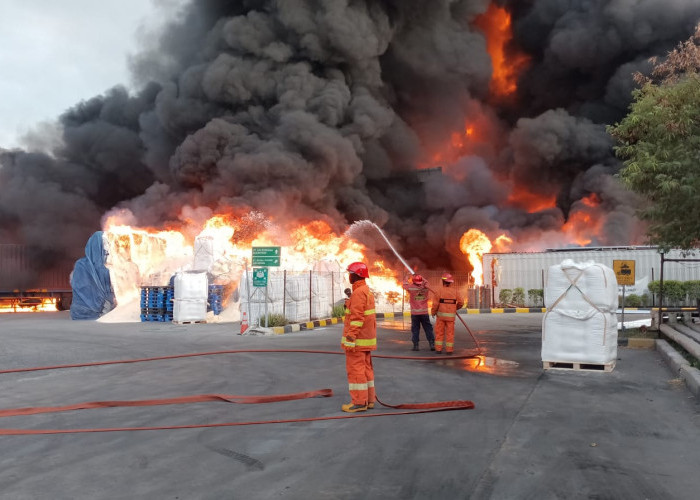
(418, 293)
(359, 339)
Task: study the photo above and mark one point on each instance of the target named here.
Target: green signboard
(266, 256)
(259, 276)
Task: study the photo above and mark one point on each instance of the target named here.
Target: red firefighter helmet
(417, 279)
(447, 278)
(359, 268)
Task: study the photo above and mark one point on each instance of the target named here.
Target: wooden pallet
(588, 367)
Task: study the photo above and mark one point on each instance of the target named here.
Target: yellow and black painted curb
(310, 325)
(503, 310)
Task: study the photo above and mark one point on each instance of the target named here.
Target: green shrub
(338, 311)
(519, 297)
(536, 296)
(632, 300)
(273, 320)
(505, 296)
(692, 290)
(674, 291)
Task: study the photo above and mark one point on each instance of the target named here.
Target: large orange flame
(507, 63)
(474, 244)
(148, 257)
(27, 304)
(522, 197)
(585, 220)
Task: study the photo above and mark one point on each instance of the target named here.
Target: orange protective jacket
(445, 303)
(360, 330)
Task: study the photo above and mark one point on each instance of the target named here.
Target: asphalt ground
(533, 434)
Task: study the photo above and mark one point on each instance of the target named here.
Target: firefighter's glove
(349, 343)
(348, 292)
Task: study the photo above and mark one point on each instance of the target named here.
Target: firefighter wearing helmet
(359, 340)
(445, 305)
(418, 294)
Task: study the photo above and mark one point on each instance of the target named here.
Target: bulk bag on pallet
(571, 339)
(580, 325)
(191, 290)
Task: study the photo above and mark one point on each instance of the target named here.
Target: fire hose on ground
(410, 408)
(406, 409)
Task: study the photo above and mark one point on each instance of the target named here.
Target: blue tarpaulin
(93, 295)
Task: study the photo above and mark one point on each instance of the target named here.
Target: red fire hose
(414, 407)
(465, 326)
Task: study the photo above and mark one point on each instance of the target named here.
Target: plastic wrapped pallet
(298, 296)
(191, 290)
(580, 325)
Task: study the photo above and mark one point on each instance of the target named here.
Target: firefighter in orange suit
(359, 340)
(445, 304)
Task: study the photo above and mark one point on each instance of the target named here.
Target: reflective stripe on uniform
(370, 383)
(347, 343)
(419, 311)
(357, 323)
(358, 387)
(446, 315)
(366, 342)
(369, 311)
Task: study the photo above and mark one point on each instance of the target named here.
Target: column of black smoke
(323, 108)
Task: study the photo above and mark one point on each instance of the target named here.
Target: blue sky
(55, 53)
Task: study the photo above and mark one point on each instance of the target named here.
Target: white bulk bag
(191, 290)
(573, 286)
(568, 339)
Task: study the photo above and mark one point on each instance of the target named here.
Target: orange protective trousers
(444, 334)
(360, 377)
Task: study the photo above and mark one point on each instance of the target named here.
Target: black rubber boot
(432, 347)
(415, 347)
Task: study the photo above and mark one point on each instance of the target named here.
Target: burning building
(300, 114)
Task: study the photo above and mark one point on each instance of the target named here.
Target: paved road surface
(629, 434)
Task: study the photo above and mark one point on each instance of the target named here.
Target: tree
(393, 298)
(659, 142)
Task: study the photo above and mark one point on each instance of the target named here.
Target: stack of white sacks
(191, 291)
(580, 325)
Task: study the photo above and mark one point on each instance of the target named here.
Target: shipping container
(528, 270)
(28, 276)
